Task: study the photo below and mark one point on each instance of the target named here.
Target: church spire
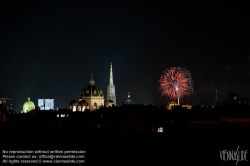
(111, 87)
(111, 75)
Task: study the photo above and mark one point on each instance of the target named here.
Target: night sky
(55, 46)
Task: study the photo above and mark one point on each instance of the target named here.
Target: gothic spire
(111, 75)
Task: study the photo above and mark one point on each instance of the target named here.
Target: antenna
(129, 101)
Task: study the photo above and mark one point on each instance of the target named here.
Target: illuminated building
(28, 106)
(171, 105)
(244, 101)
(6, 102)
(91, 98)
(110, 103)
(46, 104)
(111, 88)
(73, 105)
(160, 130)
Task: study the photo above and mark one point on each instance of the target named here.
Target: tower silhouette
(129, 101)
(111, 87)
(216, 98)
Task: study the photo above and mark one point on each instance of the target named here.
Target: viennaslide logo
(234, 155)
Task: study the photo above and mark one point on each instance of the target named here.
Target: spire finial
(91, 81)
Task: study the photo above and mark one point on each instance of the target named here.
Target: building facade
(6, 102)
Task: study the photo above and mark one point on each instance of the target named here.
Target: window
(74, 108)
(62, 115)
(58, 115)
(160, 129)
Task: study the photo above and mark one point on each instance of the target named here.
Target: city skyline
(54, 47)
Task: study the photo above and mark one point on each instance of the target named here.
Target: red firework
(175, 83)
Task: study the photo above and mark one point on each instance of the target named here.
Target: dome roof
(72, 102)
(91, 90)
(28, 106)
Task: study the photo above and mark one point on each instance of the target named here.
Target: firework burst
(175, 83)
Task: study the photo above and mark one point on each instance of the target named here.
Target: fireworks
(175, 83)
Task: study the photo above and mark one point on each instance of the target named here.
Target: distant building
(244, 101)
(46, 104)
(6, 102)
(171, 105)
(91, 97)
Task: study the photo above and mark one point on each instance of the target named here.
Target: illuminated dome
(91, 90)
(91, 97)
(28, 106)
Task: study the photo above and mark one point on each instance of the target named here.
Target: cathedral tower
(111, 88)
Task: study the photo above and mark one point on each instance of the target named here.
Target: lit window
(57, 115)
(67, 115)
(83, 108)
(62, 115)
(160, 129)
(74, 108)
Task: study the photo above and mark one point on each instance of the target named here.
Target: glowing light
(175, 83)
(160, 130)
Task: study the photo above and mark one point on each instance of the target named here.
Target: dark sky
(55, 46)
